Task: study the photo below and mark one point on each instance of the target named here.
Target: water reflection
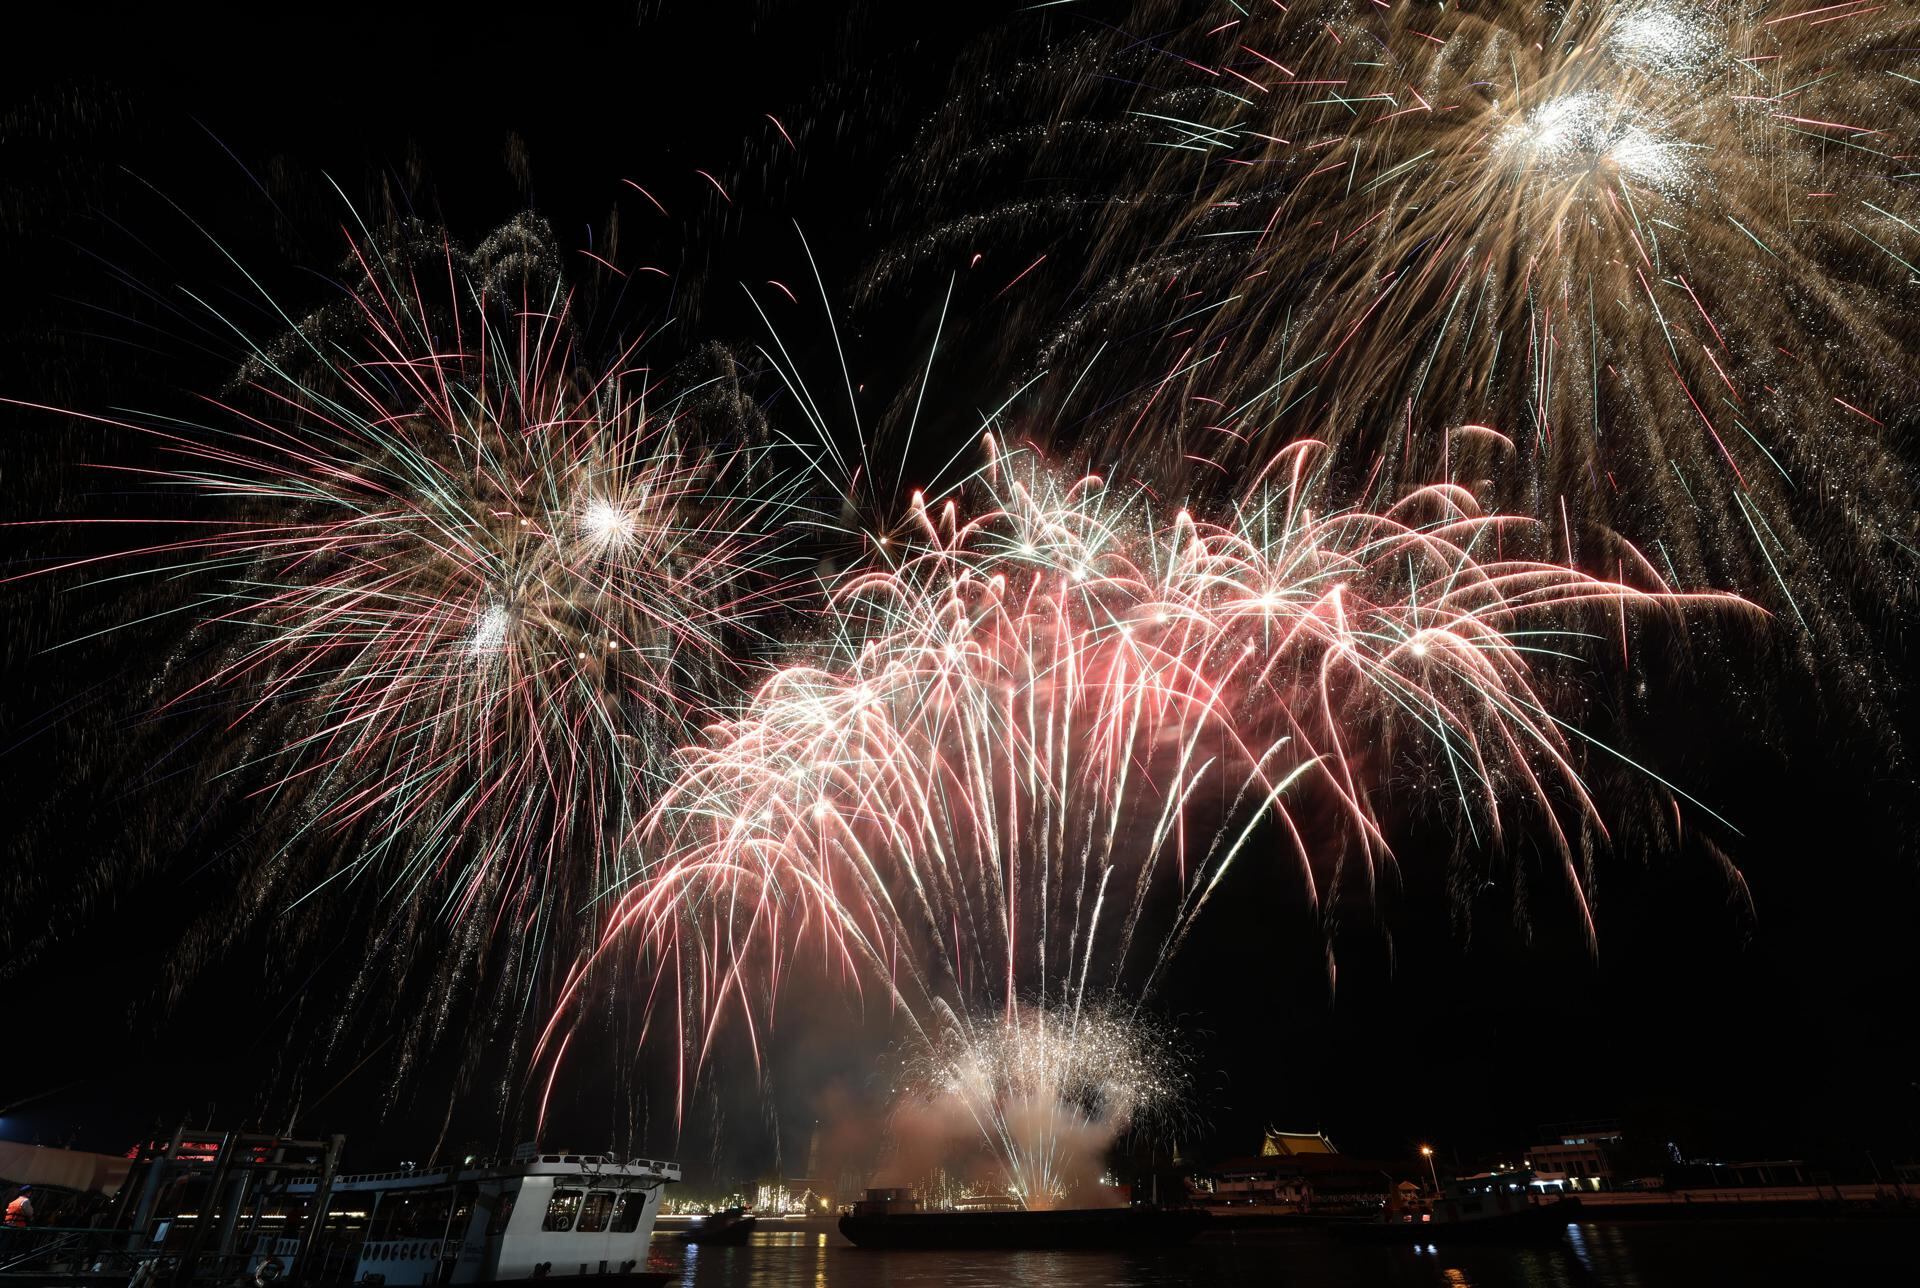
(1757, 1255)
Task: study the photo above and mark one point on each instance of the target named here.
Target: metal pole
(137, 1234)
(235, 1199)
(209, 1209)
(317, 1214)
(449, 1262)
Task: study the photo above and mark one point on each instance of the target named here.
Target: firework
(462, 596)
(1039, 735)
(1047, 1089)
(1647, 265)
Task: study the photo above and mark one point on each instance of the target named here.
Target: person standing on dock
(20, 1211)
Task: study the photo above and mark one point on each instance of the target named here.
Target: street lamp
(1426, 1152)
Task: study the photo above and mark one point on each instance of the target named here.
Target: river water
(1749, 1254)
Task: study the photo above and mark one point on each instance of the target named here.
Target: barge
(886, 1220)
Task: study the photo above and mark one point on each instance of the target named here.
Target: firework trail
(1041, 731)
(1644, 266)
(462, 596)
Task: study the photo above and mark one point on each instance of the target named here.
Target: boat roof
(585, 1167)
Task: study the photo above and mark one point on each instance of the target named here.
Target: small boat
(1493, 1217)
(895, 1222)
(731, 1226)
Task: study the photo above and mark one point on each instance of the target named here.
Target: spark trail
(1036, 737)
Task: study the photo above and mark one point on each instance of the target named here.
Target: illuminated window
(561, 1209)
(594, 1212)
(633, 1206)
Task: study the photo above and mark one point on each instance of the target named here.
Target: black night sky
(140, 153)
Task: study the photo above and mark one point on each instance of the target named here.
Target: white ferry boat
(542, 1216)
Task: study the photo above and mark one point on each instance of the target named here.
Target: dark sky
(129, 148)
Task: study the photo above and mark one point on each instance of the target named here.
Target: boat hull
(728, 1233)
(1082, 1228)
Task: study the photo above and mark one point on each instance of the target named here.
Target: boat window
(462, 1214)
(391, 1215)
(594, 1212)
(430, 1213)
(501, 1214)
(561, 1209)
(350, 1215)
(416, 1214)
(633, 1205)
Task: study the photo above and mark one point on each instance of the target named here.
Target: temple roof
(1286, 1144)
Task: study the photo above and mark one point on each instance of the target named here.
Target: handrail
(35, 1252)
(75, 1253)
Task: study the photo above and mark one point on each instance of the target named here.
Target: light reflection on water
(1752, 1254)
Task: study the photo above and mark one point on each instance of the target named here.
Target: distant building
(790, 1196)
(987, 1201)
(1577, 1156)
(1300, 1171)
(1290, 1144)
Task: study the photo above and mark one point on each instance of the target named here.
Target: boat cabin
(540, 1216)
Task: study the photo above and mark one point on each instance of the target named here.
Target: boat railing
(20, 1249)
(91, 1252)
(588, 1164)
